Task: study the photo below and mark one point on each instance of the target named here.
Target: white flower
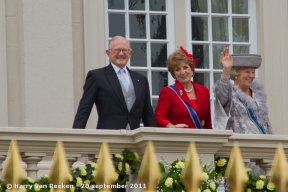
(259, 184)
(212, 185)
(136, 155)
(79, 182)
(30, 180)
(270, 186)
(119, 156)
(169, 182)
(120, 166)
(262, 176)
(82, 171)
(205, 176)
(248, 169)
(36, 187)
(87, 182)
(127, 167)
(221, 162)
(180, 164)
(93, 164)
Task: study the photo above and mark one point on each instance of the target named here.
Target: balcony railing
(171, 144)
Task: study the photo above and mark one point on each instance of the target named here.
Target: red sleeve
(163, 107)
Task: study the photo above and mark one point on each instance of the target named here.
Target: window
(214, 24)
(145, 24)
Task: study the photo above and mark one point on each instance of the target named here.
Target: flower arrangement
(254, 182)
(220, 167)
(258, 183)
(171, 177)
(82, 179)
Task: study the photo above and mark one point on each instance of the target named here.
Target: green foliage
(171, 180)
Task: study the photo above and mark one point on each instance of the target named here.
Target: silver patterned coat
(231, 113)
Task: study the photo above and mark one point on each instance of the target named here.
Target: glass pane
(144, 73)
(157, 5)
(137, 26)
(115, 4)
(240, 6)
(217, 49)
(202, 53)
(159, 79)
(237, 49)
(116, 24)
(158, 54)
(202, 79)
(220, 29)
(136, 4)
(139, 55)
(154, 103)
(217, 76)
(219, 6)
(199, 6)
(158, 27)
(199, 28)
(240, 29)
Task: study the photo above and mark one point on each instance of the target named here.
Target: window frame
(170, 37)
(253, 48)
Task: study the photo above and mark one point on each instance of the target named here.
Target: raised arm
(223, 87)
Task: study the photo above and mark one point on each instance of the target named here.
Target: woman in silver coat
(241, 107)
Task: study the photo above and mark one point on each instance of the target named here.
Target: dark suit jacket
(171, 110)
(103, 88)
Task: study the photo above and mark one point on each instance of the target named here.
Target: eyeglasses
(117, 51)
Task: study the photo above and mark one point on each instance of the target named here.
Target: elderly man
(121, 96)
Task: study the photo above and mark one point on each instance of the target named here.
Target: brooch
(181, 92)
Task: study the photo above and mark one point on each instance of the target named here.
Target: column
(2, 159)
(32, 160)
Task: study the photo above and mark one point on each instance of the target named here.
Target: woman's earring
(235, 78)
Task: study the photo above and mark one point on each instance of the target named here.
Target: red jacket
(171, 110)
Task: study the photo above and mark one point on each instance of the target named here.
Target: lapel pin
(137, 79)
(181, 92)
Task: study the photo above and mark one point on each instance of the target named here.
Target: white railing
(170, 144)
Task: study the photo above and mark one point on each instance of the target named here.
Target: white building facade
(48, 46)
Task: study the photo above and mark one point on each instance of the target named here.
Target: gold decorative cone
(279, 169)
(59, 170)
(192, 173)
(235, 173)
(105, 174)
(149, 172)
(13, 171)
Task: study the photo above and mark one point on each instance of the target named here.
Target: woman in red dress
(185, 104)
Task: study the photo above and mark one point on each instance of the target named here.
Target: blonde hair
(234, 73)
(174, 59)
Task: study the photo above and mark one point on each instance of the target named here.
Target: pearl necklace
(188, 91)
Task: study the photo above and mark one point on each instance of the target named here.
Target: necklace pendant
(181, 92)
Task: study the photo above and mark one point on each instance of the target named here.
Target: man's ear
(107, 52)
